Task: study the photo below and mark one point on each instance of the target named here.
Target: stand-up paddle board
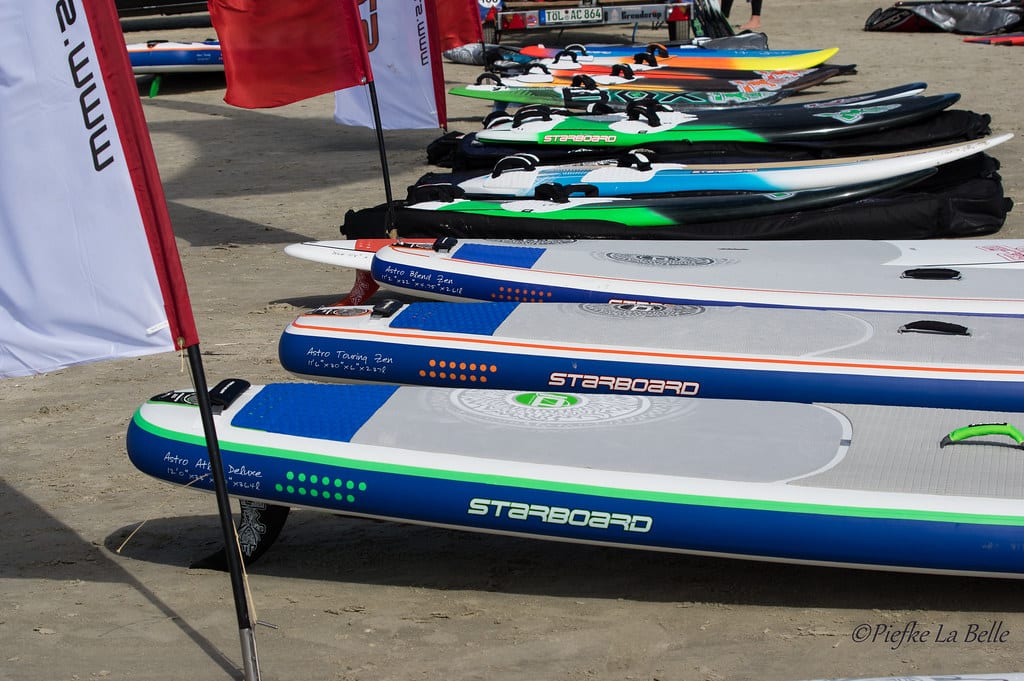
(935, 276)
(164, 56)
(641, 124)
(654, 349)
(893, 488)
(639, 173)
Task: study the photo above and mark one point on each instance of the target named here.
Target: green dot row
(326, 481)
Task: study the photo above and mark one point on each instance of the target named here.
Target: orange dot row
(463, 366)
(509, 291)
(444, 375)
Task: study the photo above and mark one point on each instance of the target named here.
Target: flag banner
(402, 40)
(277, 53)
(459, 23)
(89, 269)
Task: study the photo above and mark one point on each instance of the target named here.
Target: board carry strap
(983, 429)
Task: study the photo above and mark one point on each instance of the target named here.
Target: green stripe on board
(592, 490)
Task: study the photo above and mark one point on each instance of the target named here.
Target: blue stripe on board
(481, 319)
(325, 412)
(511, 256)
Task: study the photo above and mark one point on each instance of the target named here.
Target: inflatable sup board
(796, 355)
(165, 56)
(893, 488)
(934, 276)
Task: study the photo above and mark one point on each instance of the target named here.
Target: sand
(355, 599)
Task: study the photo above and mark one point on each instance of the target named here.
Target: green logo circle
(547, 400)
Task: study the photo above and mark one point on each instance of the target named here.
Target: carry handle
(931, 273)
(982, 429)
(935, 326)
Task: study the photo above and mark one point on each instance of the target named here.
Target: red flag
(460, 23)
(280, 52)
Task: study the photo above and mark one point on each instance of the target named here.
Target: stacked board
(164, 56)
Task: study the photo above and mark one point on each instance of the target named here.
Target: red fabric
(281, 51)
(123, 95)
(459, 21)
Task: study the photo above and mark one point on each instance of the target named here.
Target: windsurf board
(641, 125)
(638, 173)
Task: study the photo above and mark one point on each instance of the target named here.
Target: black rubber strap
(935, 326)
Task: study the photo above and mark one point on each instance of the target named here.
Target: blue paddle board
(784, 354)
(892, 488)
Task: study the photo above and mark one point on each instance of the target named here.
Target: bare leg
(755, 17)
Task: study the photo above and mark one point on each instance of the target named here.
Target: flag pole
(250, 663)
(389, 212)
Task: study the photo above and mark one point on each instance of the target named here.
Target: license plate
(573, 15)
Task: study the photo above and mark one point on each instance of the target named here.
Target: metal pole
(250, 663)
(389, 214)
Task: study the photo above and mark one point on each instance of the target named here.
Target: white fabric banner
(77, 278)
(398, 41)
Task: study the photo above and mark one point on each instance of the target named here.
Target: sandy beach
(359, 600)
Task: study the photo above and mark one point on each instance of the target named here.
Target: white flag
(88, 266)
(405, 57)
